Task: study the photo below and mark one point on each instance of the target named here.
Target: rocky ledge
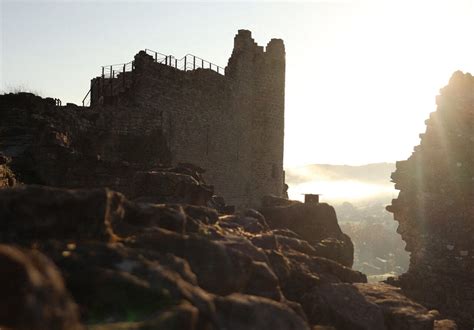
(72, 259)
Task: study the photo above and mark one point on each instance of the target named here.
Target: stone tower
(257, 80)
(232, 125)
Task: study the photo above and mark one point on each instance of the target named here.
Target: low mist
(359, 194)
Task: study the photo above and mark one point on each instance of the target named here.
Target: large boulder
(317, 224)
(169, 187)
(239, 311)
(219, 269)
(33, 295)
(399, 312)
(37, 212)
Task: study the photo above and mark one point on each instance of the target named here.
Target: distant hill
(376, 173)
(359, 195)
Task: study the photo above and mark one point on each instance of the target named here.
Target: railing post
(156, 57)
(111, 72)
(185, 62)
(123, 74)
(202, 64)
(176, 63)
(217, 69)
(103, 75)
(194, 62)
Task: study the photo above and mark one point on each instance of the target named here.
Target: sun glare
(341, 191)
(377, 76)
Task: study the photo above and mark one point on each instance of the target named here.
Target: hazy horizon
(362, 76)
(359, 185)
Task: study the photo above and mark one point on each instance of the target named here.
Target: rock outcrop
(316, 223)
(136, 265)
(7, 178)
(435, 207)
(33, 293)
(74, 147)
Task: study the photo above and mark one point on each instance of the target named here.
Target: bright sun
(373, 80)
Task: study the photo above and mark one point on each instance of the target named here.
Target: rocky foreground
(72, 259)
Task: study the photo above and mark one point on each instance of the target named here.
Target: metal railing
(188, 62)
(87, 98)
(114, 70)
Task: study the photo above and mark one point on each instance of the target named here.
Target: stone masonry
(435, 207)
(232, 125)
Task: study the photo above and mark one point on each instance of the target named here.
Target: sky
(361, 76)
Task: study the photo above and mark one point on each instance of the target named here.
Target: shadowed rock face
(33, 295)
(435, 207)
(7, 178)
(72, 146)
(315, 223)
(132, 265)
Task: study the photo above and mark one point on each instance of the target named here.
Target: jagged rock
(343, 306)
(138, 265)
(33, 296)
(445, 325)
(367, 306)
(399, 311)
(238, 311)
(329, 270)
(36, 212)
(183, 316)
(139, 217)
(219, 269)
(116, 283)
(435, 206)
(218, 203)
(315, 223)
(248, 223)
(169, 187)
(263, 282)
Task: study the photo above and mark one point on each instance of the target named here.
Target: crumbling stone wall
(71, 146)
(231, 125)
(435, 207)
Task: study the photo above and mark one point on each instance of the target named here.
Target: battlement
(229, 121)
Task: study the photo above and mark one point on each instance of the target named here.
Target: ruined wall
(71, 146)
(230, 125)
(435, 207)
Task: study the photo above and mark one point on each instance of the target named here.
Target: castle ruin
(232, 125)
